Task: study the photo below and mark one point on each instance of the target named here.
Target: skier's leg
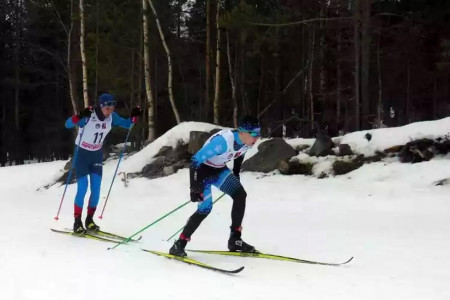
(96, 171)
(82, 170)
(203, 210)
(230, 184)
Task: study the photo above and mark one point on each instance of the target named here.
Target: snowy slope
(388, 215)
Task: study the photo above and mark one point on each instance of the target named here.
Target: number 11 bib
(95, 132)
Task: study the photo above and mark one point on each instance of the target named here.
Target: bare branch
(301, 22)
(285, 89)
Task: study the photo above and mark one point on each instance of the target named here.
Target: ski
(270, 256)
(87, 235)
(111, 235)
(193, 262)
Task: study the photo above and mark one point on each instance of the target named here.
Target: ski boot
(236, 244)
(90, 225)
(178, 247)
(78, 228)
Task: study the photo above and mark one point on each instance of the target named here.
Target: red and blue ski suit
(90, 155)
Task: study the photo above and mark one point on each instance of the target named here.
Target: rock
(214, 131)
(343, 167)
(322, 146)
(163, 151)
(345, 149)
(196, 141)
(269, 155)
(300, 148)
(417, 151)
(283, 167)
(368, 136)
(168, 162)
(393, 149)
(442, 146)
(168, 171)
(295, 167)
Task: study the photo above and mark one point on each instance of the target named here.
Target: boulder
(322, 146)
(345, 149)
(295, 167)
(196, 141)
(269, 155)
(343, 167)
(417, 151)
(168, 161)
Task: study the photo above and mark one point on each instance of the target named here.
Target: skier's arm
(75, 120)
(80, 119)
(237, 165)
(215, 147)
(119, 121)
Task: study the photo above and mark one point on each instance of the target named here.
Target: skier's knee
(239, 195)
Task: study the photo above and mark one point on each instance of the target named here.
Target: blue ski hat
(106, 100)
(250, 125)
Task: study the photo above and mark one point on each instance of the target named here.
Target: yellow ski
(193, 262)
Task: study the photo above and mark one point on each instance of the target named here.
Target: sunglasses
(252, 133)
(110, 103)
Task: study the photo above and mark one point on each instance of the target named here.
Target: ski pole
(183, 226)
(166, 215)
(115, 172)
(70, 171)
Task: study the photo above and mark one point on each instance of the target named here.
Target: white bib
(219, 161)
(94, 133)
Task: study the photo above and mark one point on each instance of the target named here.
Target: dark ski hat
(106, 100)
(250, 125)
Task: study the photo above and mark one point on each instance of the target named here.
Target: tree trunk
(365, 62)
(322, 69)
(169, 64)
(408, 91)
(148, 85)
(70, 70)
(208, 59)
(18, 42)
(96, 52)
(218, 56)
(380, 84)
(83, 55)
(357, 45)
(311, 74)
(435, 92)
(233, 85)
(339, 78)
(132, 79)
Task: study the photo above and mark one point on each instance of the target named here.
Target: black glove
(86, 113)
(196, 196)
(136, 112)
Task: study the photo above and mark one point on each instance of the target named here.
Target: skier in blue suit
(208, 167)
(97, 122)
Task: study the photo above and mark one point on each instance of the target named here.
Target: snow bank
(171, 138)
(388, 137)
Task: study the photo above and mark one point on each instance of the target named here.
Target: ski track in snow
(388, 216)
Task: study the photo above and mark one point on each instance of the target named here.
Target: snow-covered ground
(389, 216)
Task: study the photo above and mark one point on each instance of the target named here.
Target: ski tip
(237, 270)
(351, 258)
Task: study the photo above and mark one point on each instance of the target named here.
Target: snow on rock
(388, 137)
(171, 138)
